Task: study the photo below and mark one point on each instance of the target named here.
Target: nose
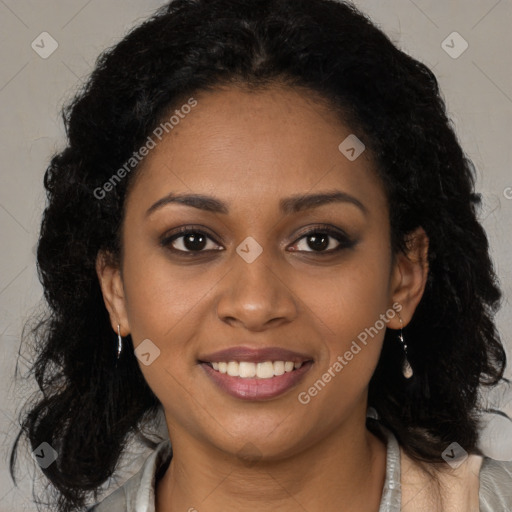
(256, 294)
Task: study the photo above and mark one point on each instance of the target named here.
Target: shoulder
(115, 502)
(479, 484)
(495, 485)
(138, 492)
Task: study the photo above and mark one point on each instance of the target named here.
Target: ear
(409, 276)
(112, 288)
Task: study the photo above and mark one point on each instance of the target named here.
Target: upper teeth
(247, 370)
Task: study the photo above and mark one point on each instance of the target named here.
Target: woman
(265, 227)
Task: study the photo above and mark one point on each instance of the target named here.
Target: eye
(320, 240)
(188, 240)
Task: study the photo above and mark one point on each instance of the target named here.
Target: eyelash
(344, 241)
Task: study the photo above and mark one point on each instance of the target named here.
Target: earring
(119, 341)
(406, 367)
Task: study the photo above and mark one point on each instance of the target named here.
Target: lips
(256, 388)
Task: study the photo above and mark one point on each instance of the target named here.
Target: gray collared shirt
(137, 494)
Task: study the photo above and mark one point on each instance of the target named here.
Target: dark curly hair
(89, 406)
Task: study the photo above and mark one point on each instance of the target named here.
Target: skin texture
(250, 150)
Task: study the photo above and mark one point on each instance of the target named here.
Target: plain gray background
(476, 83)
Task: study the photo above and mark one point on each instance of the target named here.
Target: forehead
(250, 146)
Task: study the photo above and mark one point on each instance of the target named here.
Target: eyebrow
(287, 205)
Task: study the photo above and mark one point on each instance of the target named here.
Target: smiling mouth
(249, 375)
(250, 370)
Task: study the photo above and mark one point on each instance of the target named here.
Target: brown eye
(189, 241)
(323, 240)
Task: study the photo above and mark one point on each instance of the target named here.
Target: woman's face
(248, 277)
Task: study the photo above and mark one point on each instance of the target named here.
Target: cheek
(162, 305)
(358, 292)
(355, 309)
(172, 306)
(158, 295)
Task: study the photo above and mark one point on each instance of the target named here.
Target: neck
(344, 471)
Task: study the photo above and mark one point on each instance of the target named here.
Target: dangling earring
(119, 341)
(406, 367)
